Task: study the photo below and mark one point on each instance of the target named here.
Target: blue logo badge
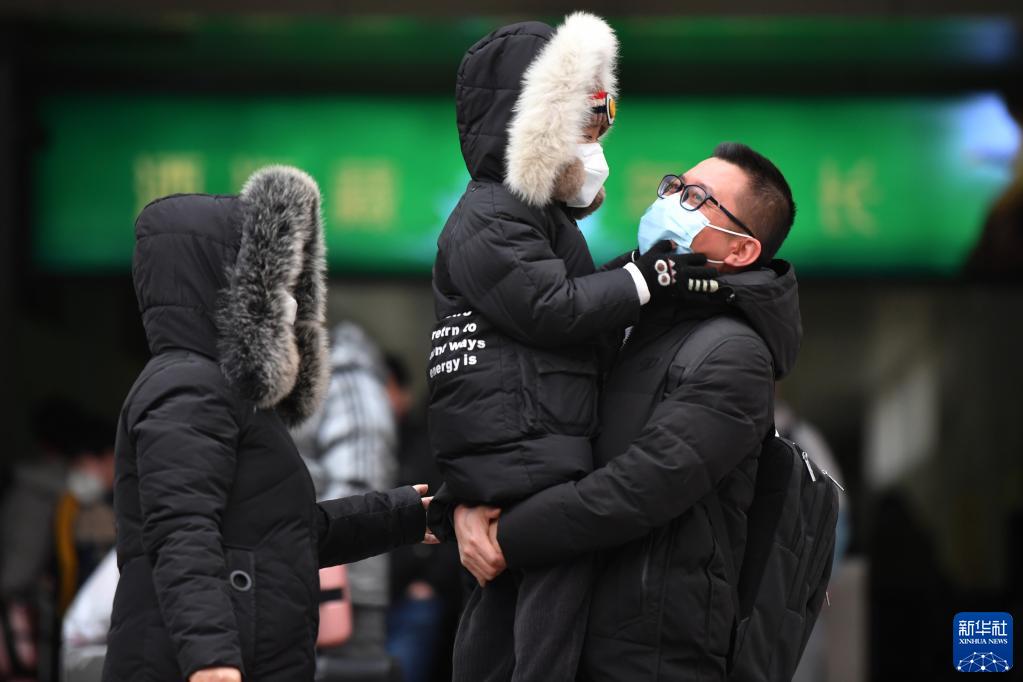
(982, 642)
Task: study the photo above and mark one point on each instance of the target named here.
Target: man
(662, 604)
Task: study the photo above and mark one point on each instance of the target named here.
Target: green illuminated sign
(886, 184)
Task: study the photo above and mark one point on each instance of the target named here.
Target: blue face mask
(666, 219)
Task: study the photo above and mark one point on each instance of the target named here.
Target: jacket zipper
(806, 461)
(672, 532)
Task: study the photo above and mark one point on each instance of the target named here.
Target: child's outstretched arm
(509, 273)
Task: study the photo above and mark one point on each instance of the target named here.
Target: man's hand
(476, 529)
(216, 675)
(422, 488)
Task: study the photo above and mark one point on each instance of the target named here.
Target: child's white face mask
(595, 165)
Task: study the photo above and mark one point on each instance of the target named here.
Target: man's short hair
(768, 209)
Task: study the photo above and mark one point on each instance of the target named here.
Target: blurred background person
(425, 586)
(350, 448)
(38, 482)
(86, 622)
(84, 530)
(57, 524)
(998, 254)
(84, 537)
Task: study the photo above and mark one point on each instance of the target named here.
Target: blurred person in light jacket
(349, 447)
(86, 623)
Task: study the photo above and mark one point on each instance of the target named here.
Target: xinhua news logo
(982, 642)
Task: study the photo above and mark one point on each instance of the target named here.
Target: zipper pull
(826, 595)
(839, 485)
(806, 461)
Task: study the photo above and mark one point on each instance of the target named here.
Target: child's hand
(657, 266)
(422, 488)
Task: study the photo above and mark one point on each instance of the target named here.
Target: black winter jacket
(662, 608)
(520, 309)
(219, 537)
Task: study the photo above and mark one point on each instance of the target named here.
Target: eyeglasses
(692, 197)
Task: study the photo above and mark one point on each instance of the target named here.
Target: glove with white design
(669, 275)
(657, 266)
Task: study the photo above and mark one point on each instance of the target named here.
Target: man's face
(727, 183)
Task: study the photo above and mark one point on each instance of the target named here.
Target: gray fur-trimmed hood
(212, 274)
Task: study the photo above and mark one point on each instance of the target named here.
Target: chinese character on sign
(966, 628)
(365, 194)
(157, 175)
(999, 629)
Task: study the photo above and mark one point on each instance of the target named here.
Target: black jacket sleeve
(618, 262)
(695, 436)
(509, 273)
(360, 526)
(441, 516)
(186, 437)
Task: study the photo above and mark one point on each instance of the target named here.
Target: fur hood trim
(554, 104)
(281, 251)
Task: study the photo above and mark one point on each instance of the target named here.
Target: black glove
(670, 275)
(657, 266)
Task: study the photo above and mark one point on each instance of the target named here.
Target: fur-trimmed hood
(523, 99)
(212, 274)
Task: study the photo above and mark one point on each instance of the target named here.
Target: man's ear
(744, 253)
